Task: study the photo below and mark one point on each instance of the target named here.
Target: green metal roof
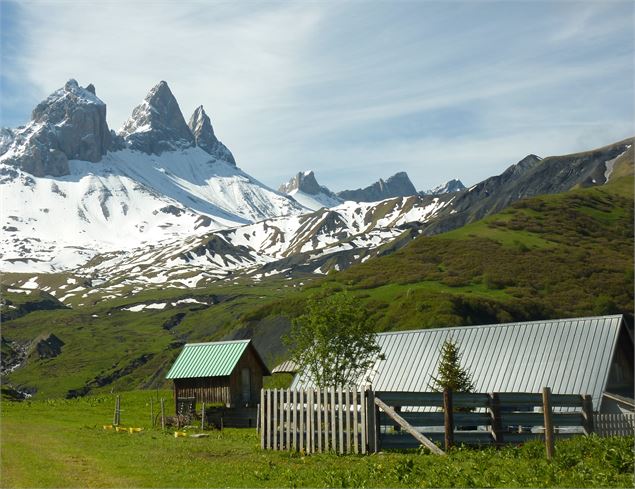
(215, 359)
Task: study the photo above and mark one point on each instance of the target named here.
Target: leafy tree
(451, 374)
(332, 342)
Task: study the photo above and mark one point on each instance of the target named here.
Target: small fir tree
(451, 374)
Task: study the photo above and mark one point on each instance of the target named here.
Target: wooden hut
(222, 372)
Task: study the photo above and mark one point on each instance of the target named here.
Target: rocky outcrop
(449, 187)
(69, 124)
(399, 185)
(47, 346)
(204, 136)
(157, 124)
(305, 182)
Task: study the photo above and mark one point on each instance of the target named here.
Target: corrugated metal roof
(287, 367)
(572, 356)
(215, 359)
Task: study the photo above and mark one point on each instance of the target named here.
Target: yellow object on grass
(108, 427)
(179, 433)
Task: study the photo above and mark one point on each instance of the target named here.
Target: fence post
(163, 414)
(372, 422)
(309, 421)
(547, 410)
(363, 425)
(497, 422)
(347, 412)
(262, 419)
(269, 418)
(319, 419)
(275, 420)
(355, 421)
(333, 420)
(587, 413)
(301, 392)
(340, 412)
(203, 417)
(115, 418)
(288, 418)
(448, 418)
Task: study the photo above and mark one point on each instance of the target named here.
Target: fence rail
(614, 424)
(349, 421)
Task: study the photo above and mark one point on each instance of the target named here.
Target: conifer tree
(451, 374)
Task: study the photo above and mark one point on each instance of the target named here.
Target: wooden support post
(333, 421)
(203, 417)
(275, 420)
(347, 413)
(372, 423)
(281, 420)
(547, 410)
(407, 427)
(269, 420)
(288, 418)
(448, 418)
(318, 409)
(309, 421)
(497, 422)
(326, 418)
(163, 414)
(355, 422)
(587, 413)
(262, 419)
(294, 427)
(301, 392)
(340, 425)
(363, 425)
(115, 421)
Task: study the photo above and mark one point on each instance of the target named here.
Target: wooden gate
(314, 420)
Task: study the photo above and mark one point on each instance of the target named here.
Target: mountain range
(120, 246)
(162, 202)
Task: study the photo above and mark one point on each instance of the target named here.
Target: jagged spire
(201, 127)
(157, 124)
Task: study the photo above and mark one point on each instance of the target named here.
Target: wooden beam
(418, 436)
(546, 407)
(448, 418)
(587, 414)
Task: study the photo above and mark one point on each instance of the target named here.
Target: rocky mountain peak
(157, 124)
(69, 124)
(303, 181)
(398, 185)
(201, 127)
(451, 186)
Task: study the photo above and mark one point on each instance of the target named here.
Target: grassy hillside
(552, 256)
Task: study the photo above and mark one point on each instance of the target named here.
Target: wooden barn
(222, 372)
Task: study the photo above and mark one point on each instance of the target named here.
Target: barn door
(246, 385)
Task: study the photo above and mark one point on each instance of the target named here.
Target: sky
(354, 90)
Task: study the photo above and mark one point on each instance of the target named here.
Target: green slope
(551, 256)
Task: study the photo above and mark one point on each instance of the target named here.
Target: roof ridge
(494, 325)
(223, 342)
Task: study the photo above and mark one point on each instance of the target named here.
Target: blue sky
(354, 90)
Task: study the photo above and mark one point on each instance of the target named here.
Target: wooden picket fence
(350, 421)
(314, 420)
(614, 424)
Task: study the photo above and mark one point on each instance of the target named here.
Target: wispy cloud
(354, 90)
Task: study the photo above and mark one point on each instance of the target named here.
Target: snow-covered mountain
(162, 203)
(305, 189)
(451, 186)
(71, 188)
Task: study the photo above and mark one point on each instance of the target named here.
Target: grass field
(62, 443)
